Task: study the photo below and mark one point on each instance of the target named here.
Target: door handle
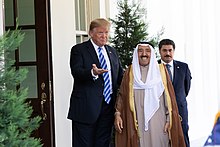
(43, 100)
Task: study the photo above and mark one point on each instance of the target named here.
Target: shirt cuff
(95, 77)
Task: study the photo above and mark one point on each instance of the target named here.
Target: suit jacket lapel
(109, 52)
(176, 70)
(92, 51)
(111, 59)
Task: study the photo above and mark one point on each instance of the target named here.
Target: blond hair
(98, 23)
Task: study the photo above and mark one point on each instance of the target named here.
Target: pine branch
(16, 122)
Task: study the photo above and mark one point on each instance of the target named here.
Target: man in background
(180, 76)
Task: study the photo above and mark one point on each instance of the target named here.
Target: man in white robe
(143, 115)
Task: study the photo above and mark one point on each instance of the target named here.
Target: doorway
(34, 53)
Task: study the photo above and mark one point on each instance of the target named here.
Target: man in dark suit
(181, 79)
(92, 115)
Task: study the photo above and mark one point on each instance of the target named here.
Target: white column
(63, 38)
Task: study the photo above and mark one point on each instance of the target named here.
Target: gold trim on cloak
(164, 79)
(131, 98)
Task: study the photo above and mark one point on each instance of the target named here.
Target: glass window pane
(82, 15)
(77, 14)
(78, 39)
(31, 81)
(85, 37)
(26, 12)
(9, 13)
(27, 50)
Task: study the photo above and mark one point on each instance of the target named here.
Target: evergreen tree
(129, 29)
(16, 123)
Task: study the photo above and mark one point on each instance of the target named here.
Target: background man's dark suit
(181, 83)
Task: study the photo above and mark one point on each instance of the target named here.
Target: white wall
(1, 17)
(63, 38)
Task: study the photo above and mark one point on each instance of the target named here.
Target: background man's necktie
(107, 90)
(169, 71)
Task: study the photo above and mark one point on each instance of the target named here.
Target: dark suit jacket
(181, 83)
(87, 94)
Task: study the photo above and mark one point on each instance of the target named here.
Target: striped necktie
(107, 90)
(169, 71)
